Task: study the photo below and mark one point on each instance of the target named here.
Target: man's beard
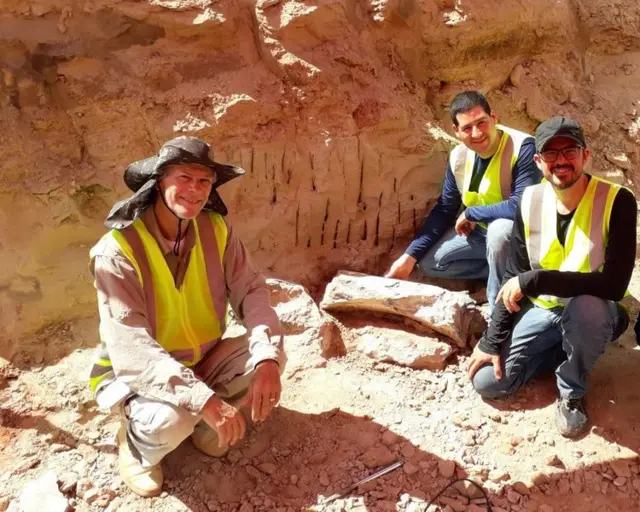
(574, 177)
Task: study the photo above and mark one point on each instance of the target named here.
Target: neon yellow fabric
(490, 188)
(575, 255)
(101, 371)
(185, 318)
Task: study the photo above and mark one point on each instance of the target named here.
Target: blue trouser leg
(457, 257)
(481, 255)
(536, 334)
(498, 239)
(588, 325)
(582, 330)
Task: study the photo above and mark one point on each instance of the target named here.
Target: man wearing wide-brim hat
(166, 274)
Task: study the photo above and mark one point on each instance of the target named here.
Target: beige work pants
(156, 428)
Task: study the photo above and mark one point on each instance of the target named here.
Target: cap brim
(563, 135)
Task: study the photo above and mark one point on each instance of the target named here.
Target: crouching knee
(499, 235)
(488, 386)
(161, 424)
(587, 308)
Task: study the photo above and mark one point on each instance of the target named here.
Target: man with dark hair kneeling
(486, 174)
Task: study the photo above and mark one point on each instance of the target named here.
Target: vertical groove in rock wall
(320, 188)
(336, 109)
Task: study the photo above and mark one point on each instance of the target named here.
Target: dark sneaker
(571, 417)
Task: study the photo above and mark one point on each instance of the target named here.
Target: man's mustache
(563, 167)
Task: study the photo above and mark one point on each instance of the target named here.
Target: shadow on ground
(296, 458)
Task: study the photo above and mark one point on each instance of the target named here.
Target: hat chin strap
(177, 243)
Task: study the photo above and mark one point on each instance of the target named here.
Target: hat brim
(138, 173)
(575, 139)
(142, 177)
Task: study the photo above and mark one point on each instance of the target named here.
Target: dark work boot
(571, 417)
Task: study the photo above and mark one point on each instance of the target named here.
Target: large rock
(453, 314)
(42, 494)
(298, 313)
(403, 348)
(296, 309)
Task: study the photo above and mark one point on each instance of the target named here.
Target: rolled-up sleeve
(249, 298)
(137, 358)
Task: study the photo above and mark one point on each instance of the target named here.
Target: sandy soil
(339, 420)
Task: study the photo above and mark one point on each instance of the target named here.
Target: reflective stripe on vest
(586, 238)
(495, 185)
(186, 322)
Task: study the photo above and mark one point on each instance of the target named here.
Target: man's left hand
(264, 390)
(464, 226)
(510, 294)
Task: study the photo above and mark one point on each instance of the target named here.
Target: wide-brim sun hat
(142, 177)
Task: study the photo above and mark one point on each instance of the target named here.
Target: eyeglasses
(551, 155)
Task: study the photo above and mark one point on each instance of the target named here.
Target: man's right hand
(479, 358)
(402, 267)
(464, 226)
(226, 420)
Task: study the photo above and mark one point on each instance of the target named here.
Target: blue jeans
(569, 340)
(481, 255)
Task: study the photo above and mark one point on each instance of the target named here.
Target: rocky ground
(340, 420)
(336, 109)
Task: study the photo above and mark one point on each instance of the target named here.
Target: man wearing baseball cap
(571, 257)
(166, 274)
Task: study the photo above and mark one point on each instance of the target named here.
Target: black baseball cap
(558, 126)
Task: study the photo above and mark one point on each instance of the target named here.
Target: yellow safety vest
(495, 185)
(188, 321)
(587, 234)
